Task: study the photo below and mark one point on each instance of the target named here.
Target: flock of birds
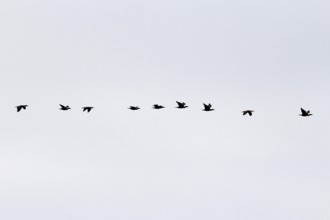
(181, 105)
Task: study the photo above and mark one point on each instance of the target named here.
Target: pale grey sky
(270, 56)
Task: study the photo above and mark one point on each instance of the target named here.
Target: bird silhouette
(248, 112)
(181, 105)
(305, 113)
(20, 107)
(208, 107)
(87, 108)
(134, 108)
(156, 106)
(64, 108)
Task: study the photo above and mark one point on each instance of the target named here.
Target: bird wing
(62, 106)
(18, 108)
(244, 112)
(250, 113)
(206, 106)
(180, 103)
(303, 111)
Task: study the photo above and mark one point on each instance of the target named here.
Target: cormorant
(181, 105)
(134, 107)
(156, 106)
(248, 112)
(208, 107)
(88, 109)
(305, 113)
(64, 108)
(20, 107)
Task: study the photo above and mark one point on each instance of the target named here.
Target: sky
(113, 163)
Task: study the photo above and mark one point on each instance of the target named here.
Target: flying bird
(20, 107)
(134, 107)
(88, 109)
(64, 108)
(208, 107)
(305, 113)
(181, 105)
(156, 106)
(248, 112)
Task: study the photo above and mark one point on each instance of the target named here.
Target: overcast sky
(270, 56)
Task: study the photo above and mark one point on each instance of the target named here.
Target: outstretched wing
(250, 113)
(62, 106)
(18, 108)
(303, 111)
(180, 104)
(206, 106)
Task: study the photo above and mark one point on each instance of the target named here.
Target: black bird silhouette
(134, 107)
(181, 105)
(156, 106)
(248, 112)
(20, 107)
(208, 107)
(87, 108)
(64, 108)
(305, 113)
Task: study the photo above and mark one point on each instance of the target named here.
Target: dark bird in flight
(156, 106)
(248, 112)
(20, 107)
(88, 109)
(181, 105)
(208, 107)
(305, 113)
(64, 108)
(134, 107)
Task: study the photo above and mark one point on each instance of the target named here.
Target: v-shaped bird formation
(180, 105)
